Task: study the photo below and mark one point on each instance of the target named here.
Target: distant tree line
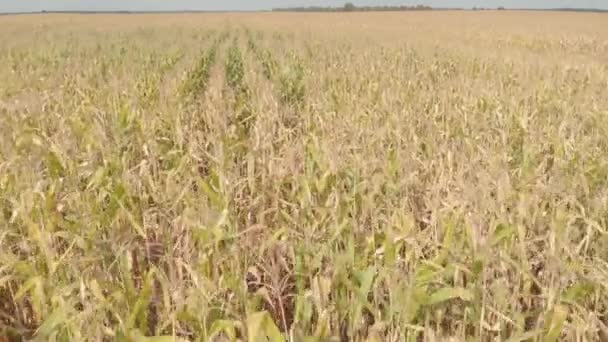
(350, 7)
(501, 8)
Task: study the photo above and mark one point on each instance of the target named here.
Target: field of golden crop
(425, 176)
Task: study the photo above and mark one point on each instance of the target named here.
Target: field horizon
(280, 176)
(297, 10)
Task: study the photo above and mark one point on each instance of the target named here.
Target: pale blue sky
(158, 5)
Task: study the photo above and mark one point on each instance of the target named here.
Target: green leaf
(502, 232)
(124, 116)
(54, 165)
(527, 336)
(214, 197)
(272, 331)
(254, 325)
(223, 326)
(426, 273)
(477, 268)
(159, 339)
(448, 241)
(366, 280)
(139, 314)
(97, 178)
(578, 292)
(260, 327)
(136, 336)
(448, 293)
(51, 322)
(556, 324)
(27, 286)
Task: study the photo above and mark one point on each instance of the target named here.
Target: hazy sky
(154, 5)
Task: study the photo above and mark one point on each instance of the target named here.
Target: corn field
(432, 176)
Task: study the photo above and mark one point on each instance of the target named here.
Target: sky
(164, 5)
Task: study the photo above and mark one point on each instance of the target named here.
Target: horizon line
(310, 9)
